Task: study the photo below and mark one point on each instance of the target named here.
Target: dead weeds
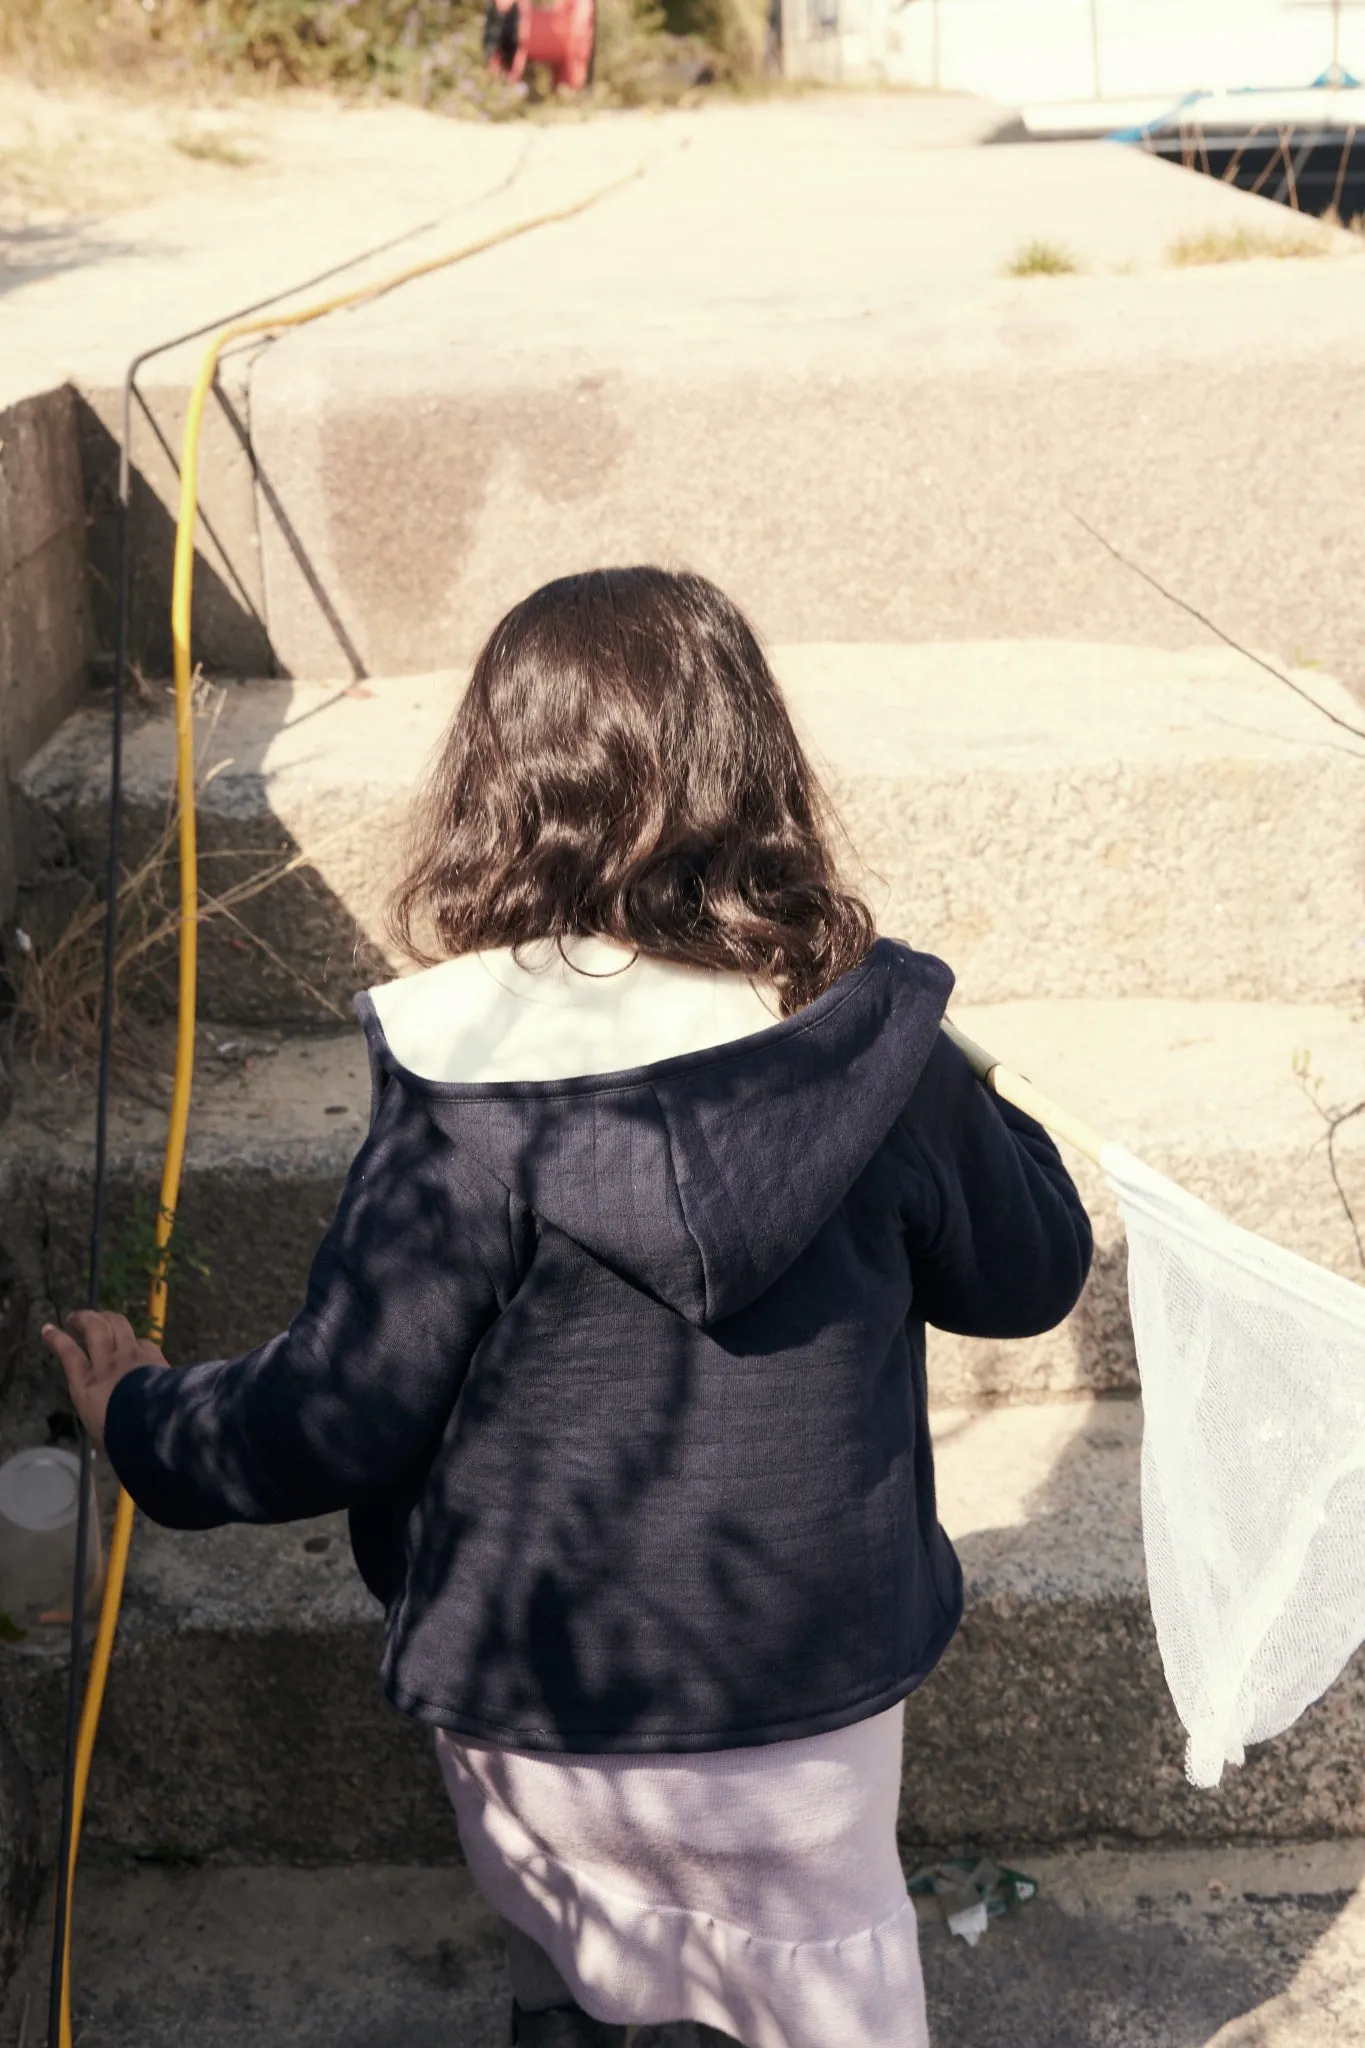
(57, 983)
(427, 52)
(1042, 259)
(1247, 245)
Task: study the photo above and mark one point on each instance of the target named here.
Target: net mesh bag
(1252, 1362)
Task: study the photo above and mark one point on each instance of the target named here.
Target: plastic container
(39, 1502)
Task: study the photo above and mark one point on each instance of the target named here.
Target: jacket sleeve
(999, 1242)
(414, 1268)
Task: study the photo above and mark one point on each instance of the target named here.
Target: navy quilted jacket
(622, 1378)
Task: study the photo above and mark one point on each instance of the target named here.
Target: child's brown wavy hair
(622, 765)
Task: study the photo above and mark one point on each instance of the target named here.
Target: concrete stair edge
(1254, 1947)
(1207, 1093)
(244, 1716)
(1050, 817)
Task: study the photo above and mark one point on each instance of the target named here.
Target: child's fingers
(129, 1348)
(108, 1338)
(96, 1350)
(74, 1362)
(89, 1389)
(126, 1345)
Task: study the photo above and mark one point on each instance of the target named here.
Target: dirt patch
(71, 157)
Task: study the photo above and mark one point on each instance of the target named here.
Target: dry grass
(210, 146)
(428, 52)
(1042, 259)
(58, 984)
(40, 177)
(86, 150)
(1246, 245)
(82, 167)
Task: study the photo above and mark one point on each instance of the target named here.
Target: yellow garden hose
(181, 601)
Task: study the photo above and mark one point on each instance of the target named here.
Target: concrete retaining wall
(228, 630)
(19, 1864)
(1068, 50)
(45, 635)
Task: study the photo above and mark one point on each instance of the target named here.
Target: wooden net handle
(1013, 1088)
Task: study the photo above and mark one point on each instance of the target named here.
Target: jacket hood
(702, 1178)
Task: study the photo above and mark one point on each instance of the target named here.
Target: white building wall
(1021, 51)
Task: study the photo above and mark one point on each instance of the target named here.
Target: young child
(615, 1349)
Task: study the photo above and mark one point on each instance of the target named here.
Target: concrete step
(244, 1716)
(1207, 1092)
(1052, 819)
(1241, 1948)
(832, 395)
(834, 399)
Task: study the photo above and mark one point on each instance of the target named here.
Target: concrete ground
(126, 219)
(1153, 1950)
(834, 399)
(831, 395)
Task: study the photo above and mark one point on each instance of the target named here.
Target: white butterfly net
(1252, 1363)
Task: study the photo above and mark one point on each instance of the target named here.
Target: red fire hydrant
(516, 33)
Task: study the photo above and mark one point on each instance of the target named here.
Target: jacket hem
(673, 1741)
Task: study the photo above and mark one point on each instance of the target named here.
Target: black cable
(1357, 732)
(106, 1046)
(87, 1455)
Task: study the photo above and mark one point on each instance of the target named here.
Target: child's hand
(95, 1357)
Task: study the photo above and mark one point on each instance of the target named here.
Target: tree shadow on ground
(38, 250)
